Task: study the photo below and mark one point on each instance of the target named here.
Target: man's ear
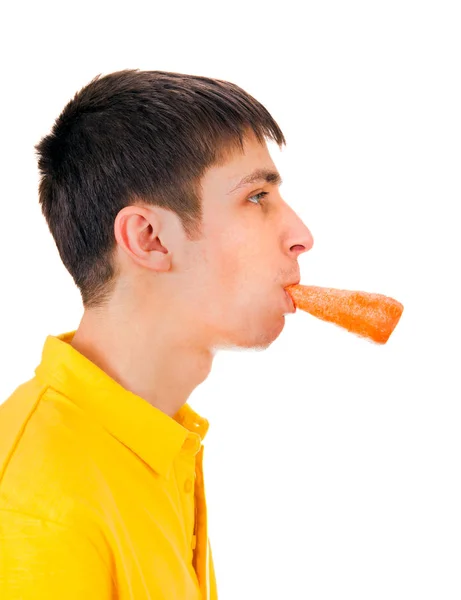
(138, 232)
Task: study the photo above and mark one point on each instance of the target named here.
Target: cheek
(233, 257)
(211, 269)
(235, 262)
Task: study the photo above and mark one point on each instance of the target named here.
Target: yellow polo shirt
(101, 494)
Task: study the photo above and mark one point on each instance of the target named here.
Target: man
(165, 207)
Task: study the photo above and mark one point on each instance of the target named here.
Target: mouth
(290, 302)
(294, 282)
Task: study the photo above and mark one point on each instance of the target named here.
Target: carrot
(372, 316)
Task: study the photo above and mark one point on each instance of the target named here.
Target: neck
(158, 363)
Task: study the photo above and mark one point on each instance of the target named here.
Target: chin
(254, 333)
(261, 339)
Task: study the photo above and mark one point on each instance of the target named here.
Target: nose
(300, 238)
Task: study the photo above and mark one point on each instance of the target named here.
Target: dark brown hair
(135, 136)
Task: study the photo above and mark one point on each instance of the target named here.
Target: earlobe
(161, 261)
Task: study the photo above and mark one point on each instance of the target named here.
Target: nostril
(298, 248)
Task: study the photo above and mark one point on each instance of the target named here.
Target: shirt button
(188, 486)
(192, 444)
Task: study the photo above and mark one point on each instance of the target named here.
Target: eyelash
(261, 194)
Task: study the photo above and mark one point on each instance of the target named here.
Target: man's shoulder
(44, 454)
(15, 413)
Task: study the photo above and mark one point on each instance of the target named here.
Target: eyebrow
(257, 176)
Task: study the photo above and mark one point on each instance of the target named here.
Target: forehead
(239, 165)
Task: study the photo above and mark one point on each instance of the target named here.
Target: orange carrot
(373, 316)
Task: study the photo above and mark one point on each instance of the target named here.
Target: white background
(332, 464)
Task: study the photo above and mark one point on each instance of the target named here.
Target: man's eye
(259, 196)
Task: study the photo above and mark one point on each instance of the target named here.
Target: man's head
(141, 186)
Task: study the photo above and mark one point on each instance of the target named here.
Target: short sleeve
(43, 559)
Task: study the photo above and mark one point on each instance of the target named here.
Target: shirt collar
(153, 435)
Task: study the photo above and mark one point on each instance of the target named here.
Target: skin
(178, 301)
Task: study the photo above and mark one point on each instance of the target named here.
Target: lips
(291, 302)
(293, 282)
